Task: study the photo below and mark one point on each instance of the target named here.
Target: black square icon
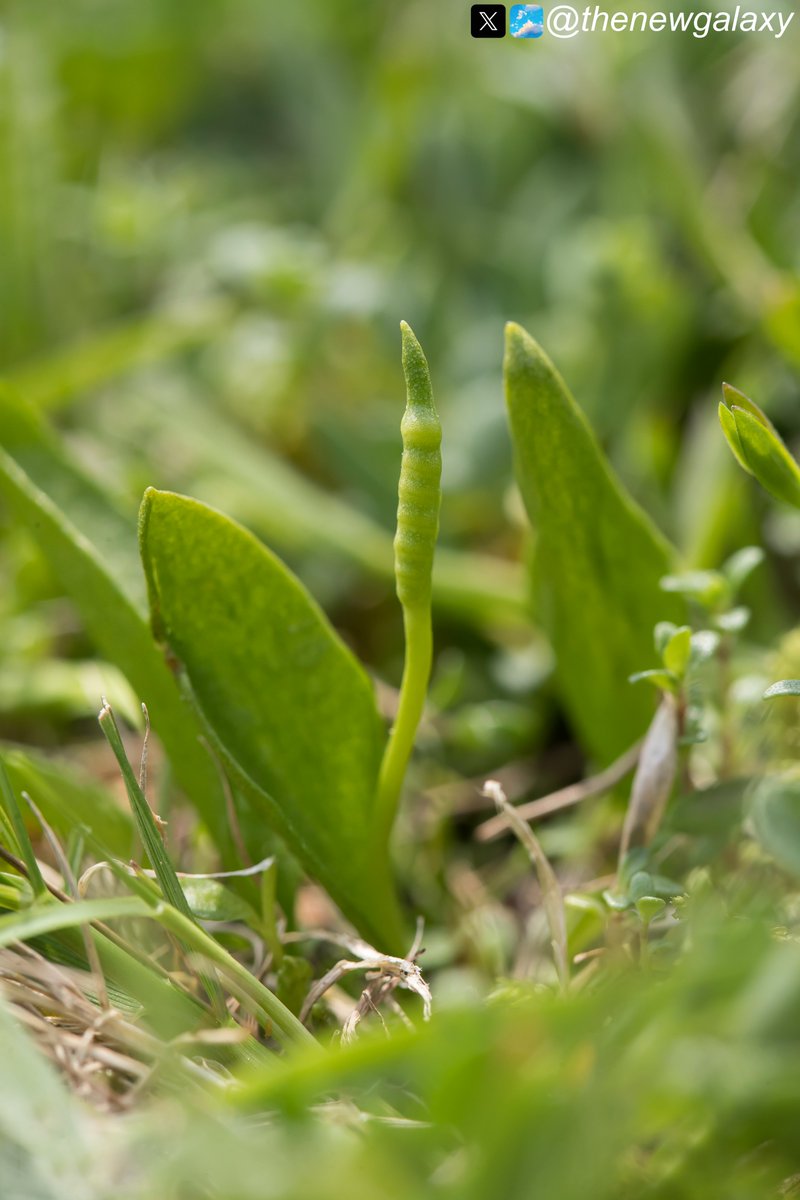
(488, 20)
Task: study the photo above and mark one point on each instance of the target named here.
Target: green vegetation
(462, 866)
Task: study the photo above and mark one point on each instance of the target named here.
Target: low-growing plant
(620, 1019)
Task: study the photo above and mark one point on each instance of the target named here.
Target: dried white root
(384, 973)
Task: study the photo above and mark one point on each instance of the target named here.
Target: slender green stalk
(413, 690)
(419, 500)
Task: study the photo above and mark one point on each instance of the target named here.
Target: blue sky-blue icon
(527, 21)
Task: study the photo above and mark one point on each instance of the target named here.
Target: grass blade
(154, 846)
(24, 844)
(143, 815)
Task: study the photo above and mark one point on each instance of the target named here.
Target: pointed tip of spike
(407, 334)
(410, 341)
(419, 392)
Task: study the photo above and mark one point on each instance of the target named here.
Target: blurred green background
(214, 213)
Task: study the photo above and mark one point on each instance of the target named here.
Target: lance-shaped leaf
(598, 558)
(289, 708)
(91, 546)
(758, 447)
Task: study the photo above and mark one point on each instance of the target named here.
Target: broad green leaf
(91, 547)
(775, 814)
(289, 707)
(598, 558)
(758, 446)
